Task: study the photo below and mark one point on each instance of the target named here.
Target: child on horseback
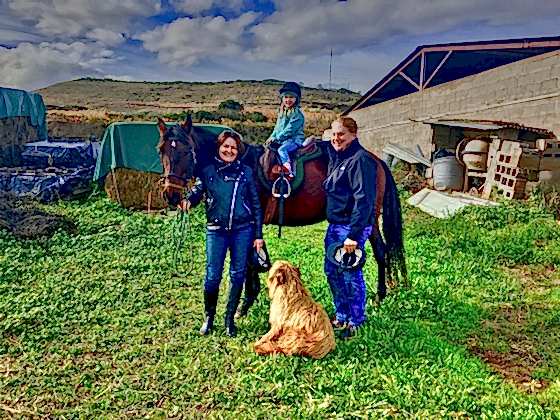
(288, 132)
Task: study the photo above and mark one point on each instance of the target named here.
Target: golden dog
(298, 325)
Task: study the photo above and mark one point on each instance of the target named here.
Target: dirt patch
(540, 279)
(517, 328)
(517, 365)
(25, 220)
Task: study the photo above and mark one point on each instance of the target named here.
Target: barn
(514, 81)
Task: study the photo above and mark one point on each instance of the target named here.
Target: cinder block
(549, 85)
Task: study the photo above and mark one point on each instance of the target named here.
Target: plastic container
(447, 174)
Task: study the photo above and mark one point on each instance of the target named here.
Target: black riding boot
(210, 302)
(252, 289)
(234, 297)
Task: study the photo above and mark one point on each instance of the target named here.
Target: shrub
(257, 117)
(231, 105)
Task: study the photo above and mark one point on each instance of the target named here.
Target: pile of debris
(479, 157)
(23, 218)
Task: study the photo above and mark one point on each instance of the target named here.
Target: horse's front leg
(252, 289)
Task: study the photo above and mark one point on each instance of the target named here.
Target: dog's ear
(279, 275)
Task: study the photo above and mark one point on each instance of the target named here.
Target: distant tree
(257, 117)
(207, 116)
(231, 114)
(231, 105)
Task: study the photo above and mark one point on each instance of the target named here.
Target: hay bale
(14, 133)
(130, 188)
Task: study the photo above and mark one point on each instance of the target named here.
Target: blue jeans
(285, 149)
(239, 243)
(348, 287)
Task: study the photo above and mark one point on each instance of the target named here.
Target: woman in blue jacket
(234, 219)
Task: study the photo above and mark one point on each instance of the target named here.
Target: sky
(43, 42)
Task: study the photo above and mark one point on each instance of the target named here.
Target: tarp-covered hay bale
(129, 164)
(14, 133)
(25, 220)
(22, 119)
(134, 189)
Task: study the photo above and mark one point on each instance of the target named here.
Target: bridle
(184, 182)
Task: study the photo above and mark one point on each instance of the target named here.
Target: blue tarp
(47, 185)
(61, 154)
(20, 103)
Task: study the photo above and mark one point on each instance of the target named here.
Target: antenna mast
(330, 72)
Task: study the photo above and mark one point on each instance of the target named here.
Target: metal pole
(330, 71)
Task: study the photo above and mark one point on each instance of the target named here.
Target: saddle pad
(314, 153)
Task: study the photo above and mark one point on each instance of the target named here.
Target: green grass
(95, 325)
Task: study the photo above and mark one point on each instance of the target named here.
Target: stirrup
(276, 188)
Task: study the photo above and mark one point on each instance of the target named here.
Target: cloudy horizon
(43, 42)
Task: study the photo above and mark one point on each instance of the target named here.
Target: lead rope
(183, 228)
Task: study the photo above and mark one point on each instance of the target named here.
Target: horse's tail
(393, 231)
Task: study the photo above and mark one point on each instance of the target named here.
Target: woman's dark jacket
(351, 188)
(232, 201)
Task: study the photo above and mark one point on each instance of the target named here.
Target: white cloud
(187, 41)
(57, 40)
(13, 30)
(30, 66)
(197, 7)
(71, 18)
(298, 32)
(106, 36)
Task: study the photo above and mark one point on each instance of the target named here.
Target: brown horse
(185, 149)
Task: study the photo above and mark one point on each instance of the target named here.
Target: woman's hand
(350, 245)
(258, 244)
(184, 205)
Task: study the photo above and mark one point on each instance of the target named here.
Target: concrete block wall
(525, 92)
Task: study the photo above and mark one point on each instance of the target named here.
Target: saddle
(270, 170)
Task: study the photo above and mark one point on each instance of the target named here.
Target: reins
(183, 228)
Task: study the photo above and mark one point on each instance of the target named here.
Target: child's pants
(285, 149)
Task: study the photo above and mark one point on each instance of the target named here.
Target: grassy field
(84, 107)
(95, 325)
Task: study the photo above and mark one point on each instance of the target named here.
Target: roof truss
(425, 76)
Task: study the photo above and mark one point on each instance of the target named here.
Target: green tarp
(132, 145)
(20, 103)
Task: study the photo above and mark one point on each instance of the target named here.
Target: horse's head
(177, 151)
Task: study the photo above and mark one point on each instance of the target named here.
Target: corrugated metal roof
(465, 124)
(489, 125)
(403, 153)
